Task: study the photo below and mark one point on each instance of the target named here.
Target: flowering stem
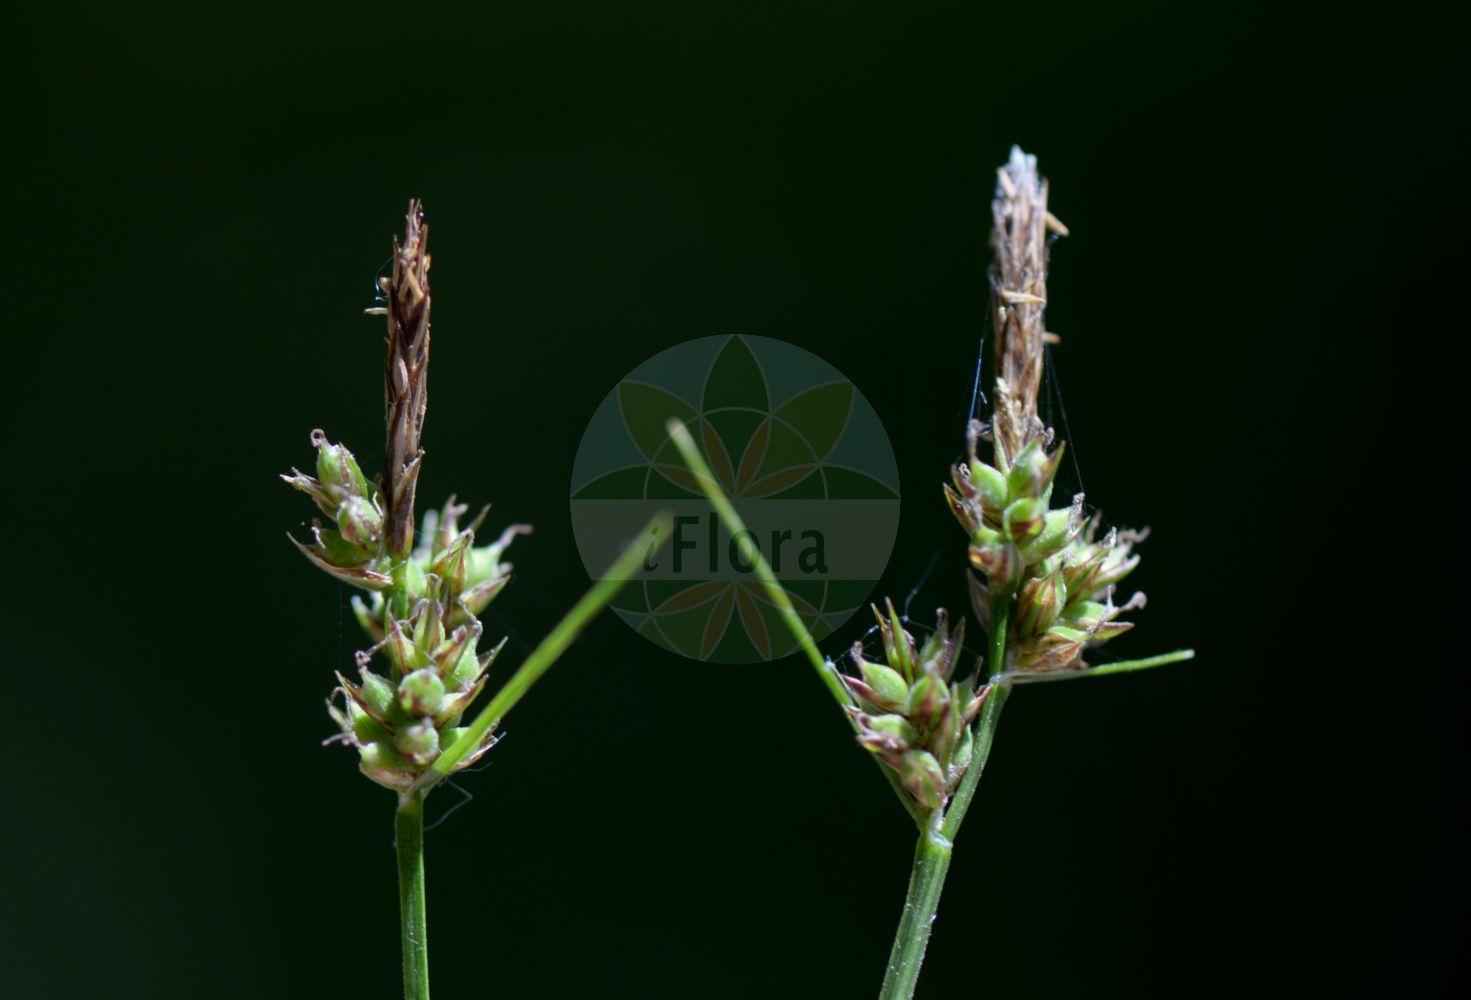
(990, 713)
(409, 821)
(932, 854)
(931, 862)
(409, 843)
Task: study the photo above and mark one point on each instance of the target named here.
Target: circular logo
(804, 460)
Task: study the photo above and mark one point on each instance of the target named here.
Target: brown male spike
(1019, 291)
(406, 375)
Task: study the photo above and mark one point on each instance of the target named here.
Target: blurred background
(206, 193)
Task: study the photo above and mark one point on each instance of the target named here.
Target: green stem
(932, 854)
(937, 831)
(409, 843)
(985, 733)
(409, 822)
(990, 713)
(931, 862)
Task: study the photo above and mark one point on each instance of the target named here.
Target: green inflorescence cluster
(911, 713)
(421, 613)
(1052, 560)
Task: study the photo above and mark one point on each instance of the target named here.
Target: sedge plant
(407, 713)
(1041, 577)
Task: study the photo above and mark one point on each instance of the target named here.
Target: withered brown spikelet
(406, 375)
(1019, 290)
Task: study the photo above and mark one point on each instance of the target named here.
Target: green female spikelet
(910, 712)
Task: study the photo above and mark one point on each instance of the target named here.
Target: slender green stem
(990, 713)
(751, 553)
(937, 831)
(932, 854)
(409, 843)
(931, 862)
(655, 534)
(985, 733)
(409, 822)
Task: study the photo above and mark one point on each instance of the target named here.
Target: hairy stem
(931, 862)
(409, 843)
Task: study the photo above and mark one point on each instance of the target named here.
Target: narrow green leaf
(1123, 667)
(826, 671)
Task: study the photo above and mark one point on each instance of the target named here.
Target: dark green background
(206, 193)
